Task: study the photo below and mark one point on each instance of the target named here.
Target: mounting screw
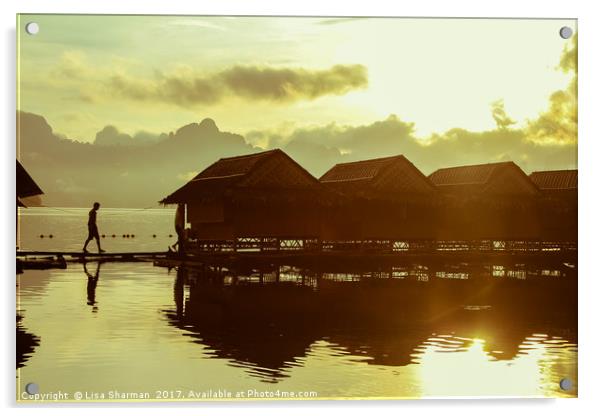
(32, 388)
(566, 32)
(566, 384)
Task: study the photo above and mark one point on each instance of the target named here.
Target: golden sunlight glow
(475, 372)
(437, 73)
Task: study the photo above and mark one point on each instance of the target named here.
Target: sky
(110, 104)
(156, 73)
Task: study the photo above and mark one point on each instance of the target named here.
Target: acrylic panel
(298, 208)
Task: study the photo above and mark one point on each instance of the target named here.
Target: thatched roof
(266, 173)
(555, 179)
(466, 175)
(481, 178)
(393, 177)
(26, 186)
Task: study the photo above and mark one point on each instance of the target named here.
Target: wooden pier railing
(314, 245)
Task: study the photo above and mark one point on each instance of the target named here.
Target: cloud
(73, 65)
(184, 87)
(118, 169)
(286, 84)
(373, 140)
(110, 136)
(320, 148)
(559, 122)
(498, 112)
(568, 60)
(73, 173)
(87, 97)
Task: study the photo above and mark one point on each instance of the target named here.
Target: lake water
(151, 229)
(124, 330)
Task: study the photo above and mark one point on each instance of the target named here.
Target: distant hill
(119, 172)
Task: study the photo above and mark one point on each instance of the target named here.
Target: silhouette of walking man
(93, 229)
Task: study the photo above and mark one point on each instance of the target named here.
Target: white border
(590, 134)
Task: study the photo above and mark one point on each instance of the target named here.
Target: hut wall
(207, 220)
(212, 231)
(286, 220)
(505, 208)
(512, 210)
(252, 219)
(510, 183)
(557, 211)
(341, 222)
(488, 218)
(206, 211)
(398, 221)
(362, 219)
(275, 198)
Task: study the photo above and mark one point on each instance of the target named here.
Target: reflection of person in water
(92, 282)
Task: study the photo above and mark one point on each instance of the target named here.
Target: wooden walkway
(78, 256)
(92, 254)
(315, 259)
(358, 260)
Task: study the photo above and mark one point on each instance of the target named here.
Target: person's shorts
(93, 232)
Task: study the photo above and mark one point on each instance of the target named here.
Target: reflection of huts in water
(489, 204)
(26, 343)
(558, 208)
(383, 346)
(264, 200)
(262, 328)
(268, 327)
(385, 201)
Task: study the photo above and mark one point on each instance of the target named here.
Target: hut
(558, 204)
(261, 201)
(26, 186)
(381, 201)
(490, 204)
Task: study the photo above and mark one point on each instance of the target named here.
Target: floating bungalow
(383, 202)
(558, 204)
(491, 204)
(26, 186)
(268, 202)
(261, 201)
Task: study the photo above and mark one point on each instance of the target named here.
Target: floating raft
(41, 263)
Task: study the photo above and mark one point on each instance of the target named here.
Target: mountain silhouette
(121, 172)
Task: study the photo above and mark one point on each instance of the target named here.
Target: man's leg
(94, 234)
(100, 250)
(86, 243)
